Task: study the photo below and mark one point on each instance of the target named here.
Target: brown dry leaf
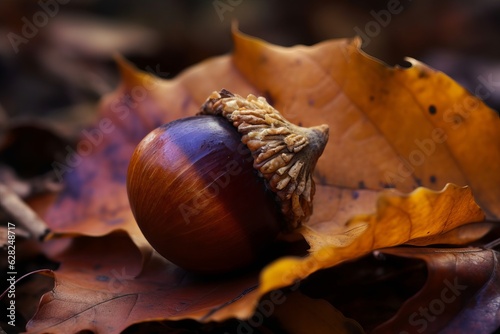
(379, 118)
(460, 295)
(101, 290)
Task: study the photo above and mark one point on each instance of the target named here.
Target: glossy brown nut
(197, 198)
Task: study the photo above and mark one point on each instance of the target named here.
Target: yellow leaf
(399, 219)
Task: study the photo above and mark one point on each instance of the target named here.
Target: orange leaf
(398, 220)
(388, 126)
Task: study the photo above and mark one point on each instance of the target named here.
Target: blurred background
(56, 56)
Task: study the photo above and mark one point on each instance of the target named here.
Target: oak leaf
(399, 219)
(460, 295)
(106, 291)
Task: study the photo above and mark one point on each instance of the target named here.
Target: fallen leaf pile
(411, 129)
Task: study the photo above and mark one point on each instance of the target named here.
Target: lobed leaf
(398, 219)
(461, 293)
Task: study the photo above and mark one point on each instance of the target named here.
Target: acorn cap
(284, 154)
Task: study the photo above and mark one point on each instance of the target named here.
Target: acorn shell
(197, 198)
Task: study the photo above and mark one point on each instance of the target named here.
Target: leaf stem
(22, 213)
(493, 244)
(24, 276)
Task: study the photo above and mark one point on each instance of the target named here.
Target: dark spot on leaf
(432, 109)
(372, 98)
(422, 74)
(361, 185)
(419, 182)
(387, 185)
(457, 119)
(432, 178)
(355, 194)
(102, 278)
(310, 102)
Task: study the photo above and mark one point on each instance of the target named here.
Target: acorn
(212, 192)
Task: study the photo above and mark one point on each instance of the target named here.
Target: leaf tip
(357, 42)
(131, 76)
(245, 42)
(235, 29)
